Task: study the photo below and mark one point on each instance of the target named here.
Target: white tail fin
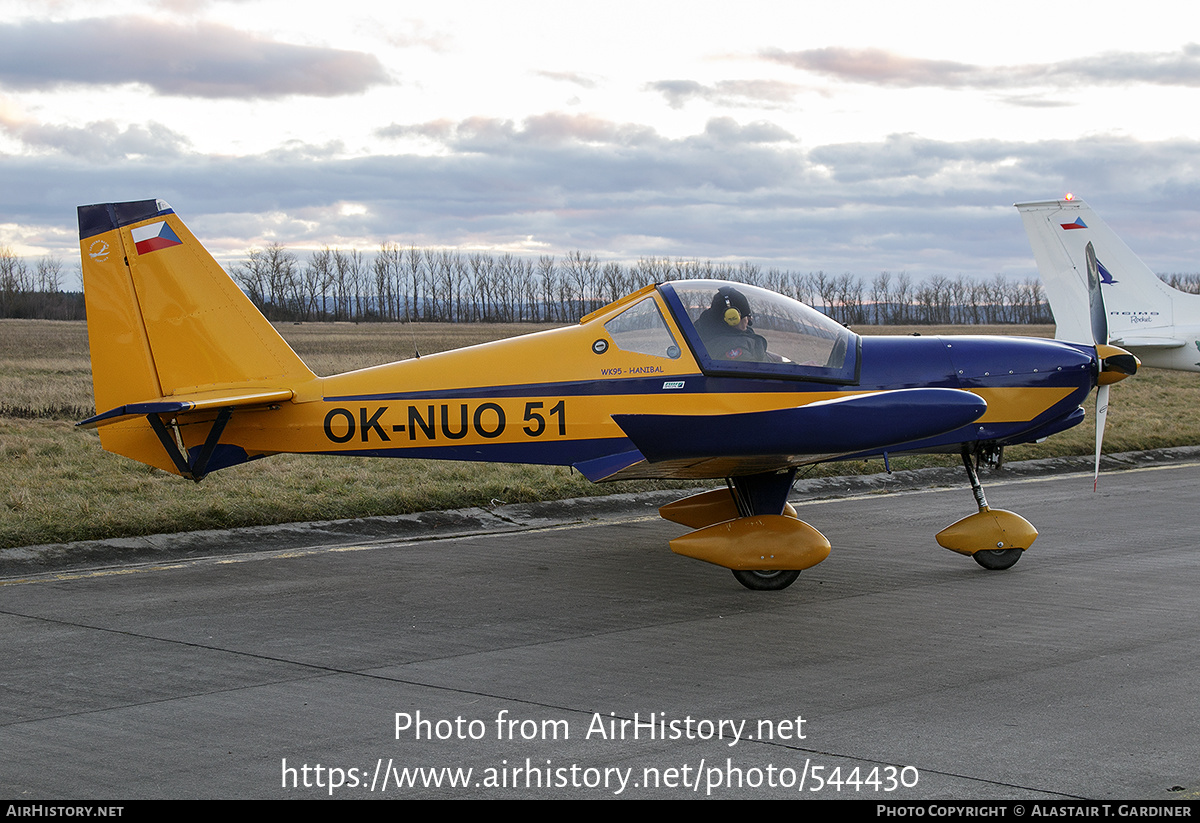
(1156, 322)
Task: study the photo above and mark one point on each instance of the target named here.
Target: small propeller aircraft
(1157, 323)
(692, 379)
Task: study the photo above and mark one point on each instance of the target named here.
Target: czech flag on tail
(153, 237)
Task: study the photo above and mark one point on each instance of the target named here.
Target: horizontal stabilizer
(848, 425)
(201, 401)
(1128, 340)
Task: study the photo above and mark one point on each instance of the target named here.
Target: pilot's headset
(735, 305)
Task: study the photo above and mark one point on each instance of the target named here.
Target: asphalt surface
(561, 650)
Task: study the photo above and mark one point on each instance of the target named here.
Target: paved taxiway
(1070, 676)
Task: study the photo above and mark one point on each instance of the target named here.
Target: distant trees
(36, 291)
(448, 285)
(1183, 282)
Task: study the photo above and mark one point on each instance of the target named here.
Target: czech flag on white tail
(154, 237)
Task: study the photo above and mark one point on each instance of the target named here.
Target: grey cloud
(576, 78)
(419, 36)
(558, 127)
(299, 151)
(729, 131)
(101, 140)
(494, 135)
(899, 156)
(1180, 68)
(556, 158)
(725, 92)
(905, 203)
(914, 166)
(440, 130)
(200, 60)
(1034, 101)
(885, 68)
(880, 67)
(678, 92)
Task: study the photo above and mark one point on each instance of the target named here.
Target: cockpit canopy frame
(783, 338)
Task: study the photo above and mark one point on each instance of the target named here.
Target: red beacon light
(1069, 196)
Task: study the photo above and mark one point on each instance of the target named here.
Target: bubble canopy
(735, 329)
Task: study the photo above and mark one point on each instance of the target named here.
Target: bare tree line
(1184, 282)
(35, 291)
(447, 285)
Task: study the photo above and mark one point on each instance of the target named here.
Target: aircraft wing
(755, 442)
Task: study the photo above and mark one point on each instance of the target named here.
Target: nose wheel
(762, 580)
(994, 537)
(998, 559)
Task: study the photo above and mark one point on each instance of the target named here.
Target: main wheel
(766, 580)
(998, 559)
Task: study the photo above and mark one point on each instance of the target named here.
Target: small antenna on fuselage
(412, 333)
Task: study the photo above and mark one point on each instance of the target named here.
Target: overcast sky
(849, 136)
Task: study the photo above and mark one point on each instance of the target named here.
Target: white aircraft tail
(1156, 322)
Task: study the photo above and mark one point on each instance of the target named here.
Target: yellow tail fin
(169, 332)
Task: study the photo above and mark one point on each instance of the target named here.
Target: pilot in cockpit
(725, 329)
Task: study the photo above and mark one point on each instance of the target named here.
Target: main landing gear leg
(751, 529)
(994, 537)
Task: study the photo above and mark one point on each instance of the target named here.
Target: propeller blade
(1101, 417)
(1096, 299)
(1115, 364)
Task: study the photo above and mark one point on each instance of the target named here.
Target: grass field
(57, 484)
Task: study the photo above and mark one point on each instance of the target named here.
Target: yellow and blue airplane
(691, 379)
